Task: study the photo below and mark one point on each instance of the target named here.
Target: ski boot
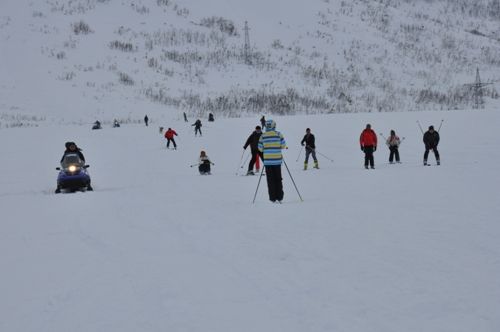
(305, 166)
(316, 165)
(250, 172)
(425, 162)
(438, 162)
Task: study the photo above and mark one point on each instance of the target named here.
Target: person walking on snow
(146, 120)
(368, 143)
(263, 122)
(393, 142)
(431, 141)
(253, 142)
(309, 143)
(271, 143)
(169, 135)
(197, 127)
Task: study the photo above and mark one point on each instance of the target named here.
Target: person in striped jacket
(270, 145)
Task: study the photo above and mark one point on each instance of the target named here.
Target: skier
(368, 142)
(253, 142)
(204, 164)
(393, 142)
(211, 117)
(146, 120)
(270, 145)
(72, 148)
(309, 143)
(197, 127)
(263, 121)
(431, 141)
(116, 124)
(169, 135)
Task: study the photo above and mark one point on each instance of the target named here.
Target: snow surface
(157, 247)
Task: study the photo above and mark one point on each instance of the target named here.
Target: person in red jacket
(169, 135)
(368, 143)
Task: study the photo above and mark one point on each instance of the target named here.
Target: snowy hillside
(76, 61)
(157, 247)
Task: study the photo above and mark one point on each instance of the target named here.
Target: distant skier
(309, 142)
(116, 124)
(270, 144)
(197, 127)
(211, 117)
(169, 135)
(204, 164)
(185, 117)
(431, 141)
(263, 122)
(72, 148)
(368, 142)
(146, 120)
(393, 142)
(253, 142)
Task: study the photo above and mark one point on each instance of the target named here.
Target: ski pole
(324, 156)
(245, 161)
(420, 127)
(300, 152)
(258, 183)
(292, 180)
(440, 125)
(194, 165)
(239, 163)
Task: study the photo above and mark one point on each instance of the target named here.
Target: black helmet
(68, 144)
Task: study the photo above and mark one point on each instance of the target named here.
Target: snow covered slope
(157, 247)
(75, 61)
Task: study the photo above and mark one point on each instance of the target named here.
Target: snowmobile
(73, 175)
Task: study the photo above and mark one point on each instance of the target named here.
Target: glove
(362, 149)
(302, 144)
(374, 148)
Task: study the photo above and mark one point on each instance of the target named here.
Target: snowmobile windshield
(71, 159)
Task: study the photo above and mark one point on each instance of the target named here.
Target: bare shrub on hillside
(224, 25)
(236, 102)
(141, 10)
(125, 79)
(163, 2)
(123, 46)
(81, 28)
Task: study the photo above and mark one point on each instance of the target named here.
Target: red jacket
(368, 138)
(169, 134)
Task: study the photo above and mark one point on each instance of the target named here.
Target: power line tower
(248, 59)
(477, 91)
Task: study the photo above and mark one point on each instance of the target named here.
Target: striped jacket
(270, 144)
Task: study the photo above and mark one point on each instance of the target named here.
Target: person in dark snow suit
(253, 142)
(204, 164)
(431, 141)
(309, 142)
(270, 144)
(146, 120)
(72, 148)
(197, 127)
(393, 142)
(368, 143)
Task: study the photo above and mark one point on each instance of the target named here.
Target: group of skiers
(268, 146)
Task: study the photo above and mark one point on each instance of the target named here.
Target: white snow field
(157, 247)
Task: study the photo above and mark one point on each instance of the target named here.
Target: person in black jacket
(72, 148)
(310, 145)
(431, 141)
(253, 142)
(197, 127)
